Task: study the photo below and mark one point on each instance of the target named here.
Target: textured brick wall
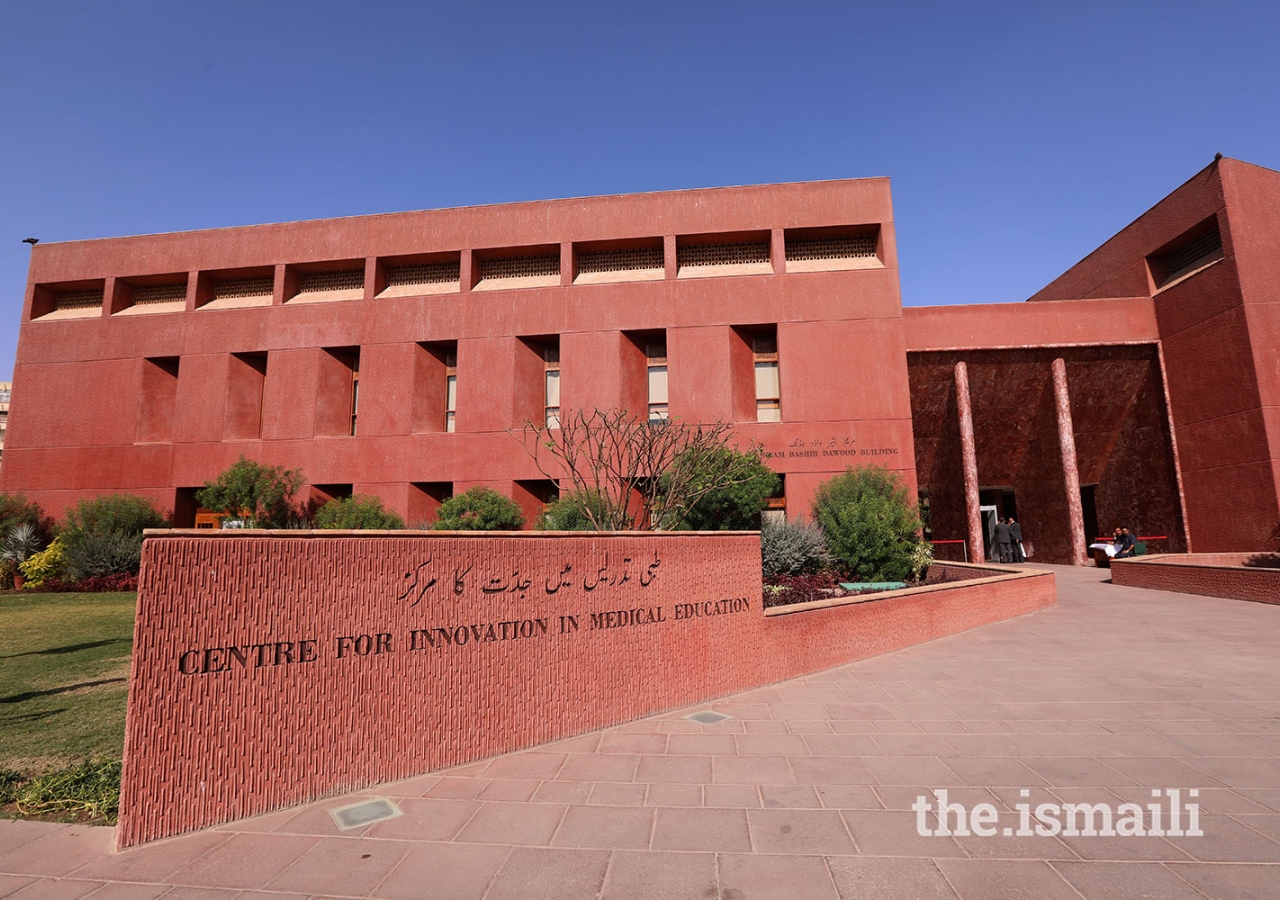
(1209, 574)
(361, 659)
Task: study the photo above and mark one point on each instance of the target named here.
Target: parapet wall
(270, 669)
(1208, 574)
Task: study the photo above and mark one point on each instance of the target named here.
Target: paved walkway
(806, 792)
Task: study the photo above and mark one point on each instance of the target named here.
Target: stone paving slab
(807, 791)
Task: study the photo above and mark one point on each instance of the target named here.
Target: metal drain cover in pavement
(708, 717)
(365, 813)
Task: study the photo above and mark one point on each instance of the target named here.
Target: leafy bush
(479, 509)
(355, 513)
(735, 506)
(794, 547)
(104, 553)
(870, 526)
(124, 513)
(49, 563)
(261, 494)
(569, 513)
(103, 535)
(16, 509)
(921, 560)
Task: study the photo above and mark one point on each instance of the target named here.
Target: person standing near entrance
(1004, 538)
(1015, 534)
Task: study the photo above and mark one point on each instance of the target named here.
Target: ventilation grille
(638, 259)
(1196, 255)
(859, 247)
(327, 282)
(423, 273)
(79, 299)
(240, 288)
(723, 254)
(160, 293)
(520, 267)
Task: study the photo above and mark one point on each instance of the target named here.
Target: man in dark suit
(1004, 539)
(1015, 531)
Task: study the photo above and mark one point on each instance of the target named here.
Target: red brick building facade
(394, 355)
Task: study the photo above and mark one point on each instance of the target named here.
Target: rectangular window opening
(604, 262)
(524, 268)
(827, 249)
(764, 354)
(338, 281)
(655, 353)
(1183, 257)
(417, 276)
(451, 390)
(237, 290)
(709, 255)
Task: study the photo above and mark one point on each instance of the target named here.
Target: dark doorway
(1089, 509)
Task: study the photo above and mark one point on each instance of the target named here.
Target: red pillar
(1070, 468)
(970, 459)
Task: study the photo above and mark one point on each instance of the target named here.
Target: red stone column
(969, 456)
(1070, 468)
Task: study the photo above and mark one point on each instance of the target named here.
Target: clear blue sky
(1018, 135)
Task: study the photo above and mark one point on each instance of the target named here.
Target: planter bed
(787, 590)
(1235, 576)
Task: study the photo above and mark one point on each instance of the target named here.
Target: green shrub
(125, 513)
(262, 495)
(357, 513)
(793, 547)
(921, 560)
(16, 509)
(104, 553)
(479, 509)
(569, 513)
(870, 526)
(103, 535)
(737, 506)
(51, 562)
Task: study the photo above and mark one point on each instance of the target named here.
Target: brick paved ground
(806, 791)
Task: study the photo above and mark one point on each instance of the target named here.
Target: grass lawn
(64, 678)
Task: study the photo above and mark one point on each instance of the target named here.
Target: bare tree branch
(639, 476)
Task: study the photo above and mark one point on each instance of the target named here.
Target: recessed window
(416, 277)
(238, 292)
(600, 263)
(655, 353)
(451, 390)
(1188, 254)
(827, 249)
(704, 256)
(81, 300)
(142, 298)
(526, 268)
(764, 354)
(551, 362)
(319, 286)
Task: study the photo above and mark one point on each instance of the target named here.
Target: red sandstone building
(395, 355)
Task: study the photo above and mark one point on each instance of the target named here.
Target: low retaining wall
(270, 670)
(1208, 574)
